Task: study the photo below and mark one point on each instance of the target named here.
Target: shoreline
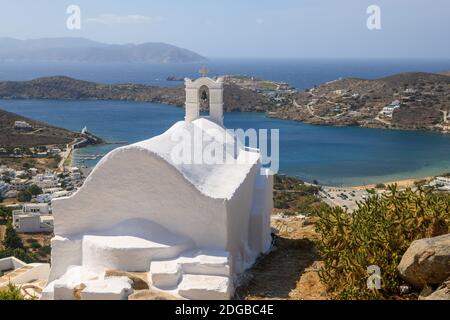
(403, 183)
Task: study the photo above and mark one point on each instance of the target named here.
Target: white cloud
(110, 19)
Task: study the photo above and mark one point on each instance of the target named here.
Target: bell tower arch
(195, 92)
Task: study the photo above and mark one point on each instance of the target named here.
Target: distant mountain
(88, 51)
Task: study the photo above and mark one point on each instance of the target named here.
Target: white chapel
(191, 226)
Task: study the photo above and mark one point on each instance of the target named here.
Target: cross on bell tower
(203, 71)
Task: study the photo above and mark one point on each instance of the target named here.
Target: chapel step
(201, 287)
(132, 254)
(168, 273)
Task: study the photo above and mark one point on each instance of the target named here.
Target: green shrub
(5, 214)
(294, 196)
(377, 233)
(35, 245)
(24, 196)
(44, 251)
(12, 240)
(420, 183)
(35, 190)
(20, 254)
(12, 292)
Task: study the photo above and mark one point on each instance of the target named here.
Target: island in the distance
(416, 101)
(81, 50)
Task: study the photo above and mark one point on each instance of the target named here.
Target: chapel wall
(134, 183)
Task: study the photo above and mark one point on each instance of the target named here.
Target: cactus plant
(377, 233)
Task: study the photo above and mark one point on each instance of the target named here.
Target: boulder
(442, 293)
(151, 295)
(137, 278)
(426, 262)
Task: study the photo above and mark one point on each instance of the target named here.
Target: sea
(337, 156)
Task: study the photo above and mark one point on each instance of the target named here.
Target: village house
(388, 110)
(46, 180)
(32, 218)
(19, 184)
(22, 126)
(4, 187)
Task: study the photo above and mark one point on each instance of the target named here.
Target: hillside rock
(138, 279)
(150, 295)
(442, 293)
(42, 133)
(426, 262)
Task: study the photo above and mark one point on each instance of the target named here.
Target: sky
(246, 28)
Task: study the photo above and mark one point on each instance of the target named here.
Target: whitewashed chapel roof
(218, 181)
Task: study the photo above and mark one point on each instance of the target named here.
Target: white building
(32, 222)
(4, 188)
(44, 198)
(47, 197)
(19, 184)
(40, 208)
(441, 183)
(46, 180)
(192, 227)
(33, 217)
(388, 110)
(22, 125)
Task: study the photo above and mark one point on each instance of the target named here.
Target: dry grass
(290, 270)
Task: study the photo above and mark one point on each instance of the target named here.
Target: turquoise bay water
(331, 155)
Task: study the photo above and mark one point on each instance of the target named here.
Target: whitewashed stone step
(165, 274)
(168, 273)
(199, 287)
(114, 288)
(127, 253)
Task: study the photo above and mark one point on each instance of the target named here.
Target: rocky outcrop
(426, 262)
(442, 293)
(150, 295)
(136, 277)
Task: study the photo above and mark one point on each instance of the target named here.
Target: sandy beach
(406, 183)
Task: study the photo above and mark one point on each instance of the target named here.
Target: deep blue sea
(331, 155)
(301, 74)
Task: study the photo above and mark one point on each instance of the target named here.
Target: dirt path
(290, 270)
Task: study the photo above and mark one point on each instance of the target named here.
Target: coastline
(403, 183)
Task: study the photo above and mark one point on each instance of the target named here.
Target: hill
(421, 99)
(235, 98)
(40, 134)
(88, 51)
